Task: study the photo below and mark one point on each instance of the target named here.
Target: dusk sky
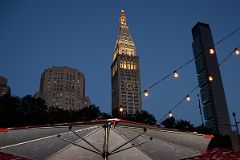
(36, 35)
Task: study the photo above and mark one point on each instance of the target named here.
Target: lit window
(124, 65)
(121, 64)
(132, 66)
(135, 66)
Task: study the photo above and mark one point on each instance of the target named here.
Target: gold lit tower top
(124, 44)
(123, 18)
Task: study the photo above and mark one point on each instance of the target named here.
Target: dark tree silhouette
(104, 115)
(169, 122)
(15, 111)
(145, 117)
(184, 125)
(9, 108)
(90, 113)
(141, 117)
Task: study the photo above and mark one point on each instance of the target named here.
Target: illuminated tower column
(126, 90)
(209, 79)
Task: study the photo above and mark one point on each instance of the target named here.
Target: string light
(145, 92)
(187, 98)
(210, 78)
(211, 51)
(170, 115)
(121, 109)
(226, 58)
(175, 74)
(178, 104)
(236, 51)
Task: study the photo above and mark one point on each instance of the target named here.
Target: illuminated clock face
(129, 86)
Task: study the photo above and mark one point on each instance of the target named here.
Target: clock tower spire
(126, 87)
(123, 18)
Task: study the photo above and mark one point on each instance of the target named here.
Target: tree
(90, 113)
(141, 117)
(184, 125)
(104, 115)
(24, 111)
(145, 117)
(169, 122)
(33, 111)
(58, 115)
(204, 130)
(8, 110)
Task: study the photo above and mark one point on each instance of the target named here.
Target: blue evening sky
(37, 34)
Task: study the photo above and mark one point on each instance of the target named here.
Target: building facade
(125, 73)
(4, 89)
(209, 79)
(63, 87)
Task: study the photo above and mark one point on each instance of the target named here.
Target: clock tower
(126, 86)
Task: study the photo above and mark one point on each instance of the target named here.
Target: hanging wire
(230, 34)
(188, 62)
(154, 84)
(182, 100)
(157, 82)
(178, 104)
(191, 60)
(226, 58)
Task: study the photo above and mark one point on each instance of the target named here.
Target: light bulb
(170, 114)
(236, 51)
(120, 109)
(175, 74)
(211, 51)
(145, 92)
(187, 98)
(210, 78)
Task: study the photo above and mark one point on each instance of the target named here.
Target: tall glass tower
(209, 79)
(125, 76)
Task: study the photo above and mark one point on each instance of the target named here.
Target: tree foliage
(178, 124)
(169, 122)
(141, 117)
(15, 111)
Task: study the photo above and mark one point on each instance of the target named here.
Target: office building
(210, 82)
(63, 87)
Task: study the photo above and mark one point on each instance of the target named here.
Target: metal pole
(236, 124)
(106, 141)
(200, 108)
